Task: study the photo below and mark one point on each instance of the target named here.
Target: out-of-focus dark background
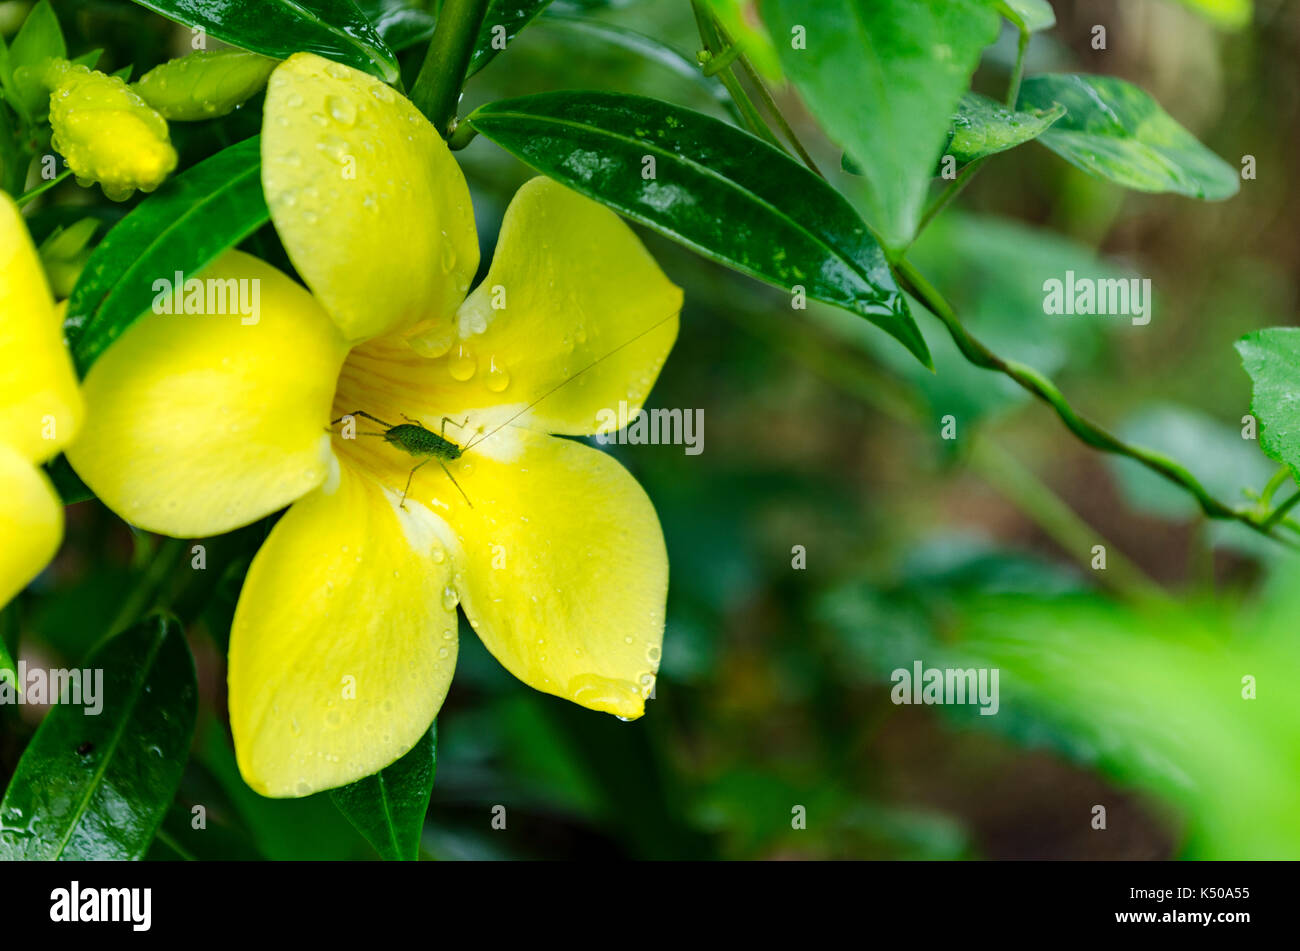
(1120, 688)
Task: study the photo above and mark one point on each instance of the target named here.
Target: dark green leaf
(388, 808)
(1272, 358)
(983, 127)
(1029, 15)
(505, 19)
(883, 79)
(335, 29)
(184, 226)
(97, 786)
(717, 190)
(1115, 131)
(400, 23)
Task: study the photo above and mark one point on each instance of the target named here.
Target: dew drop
(462, 365)
(450, 598)
(342, 109)
(497, 379)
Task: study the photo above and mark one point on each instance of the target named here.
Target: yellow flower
(106, 132)
(40, 407)
(344, 639)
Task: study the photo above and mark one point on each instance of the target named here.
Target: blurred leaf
(39, 39)
(1227, 14)
(184, 226)
(883, 79)
(1115, 131)
(1214, 452)
(1152, 695)
(1272, 358)
(719, 191)
(1031, 15)
(335, 29)
(740, 19)
(96, 786)
(504, 20)
(388, 808)
(984, 127)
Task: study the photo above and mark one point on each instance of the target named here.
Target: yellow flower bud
(106, 132)
(204, 85)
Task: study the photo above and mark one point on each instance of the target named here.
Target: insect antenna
(627, 343)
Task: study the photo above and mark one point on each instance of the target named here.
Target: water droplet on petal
(462, 364)
(497, 379)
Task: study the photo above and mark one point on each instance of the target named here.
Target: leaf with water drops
(401, 24)
(39, 40)
(388, 808)
(504, 20)
(184, 226)
(96, 786)
(335, 29)
(204, 85)
(1272, 358)
(1115, 131)
(706, 184)
(983, 127)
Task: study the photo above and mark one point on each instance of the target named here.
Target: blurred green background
(1120, 688)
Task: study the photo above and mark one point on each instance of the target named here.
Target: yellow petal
(370, 205)
(344, 640)
(565, 571)
(572, 295)
(40, 407)
(200, 423)
(31, 522)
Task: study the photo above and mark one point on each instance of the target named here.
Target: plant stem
(437, 88)
(713, 45)
(1090, 433)
(1018, 71)
(26, 197)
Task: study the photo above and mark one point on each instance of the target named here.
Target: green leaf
(66, 481)
(504, 20)
(1115, 131)
(884, 78)
(335, 29)
(184, 226)
(400, 23)
(983, 127)
(1225, 14)
(388, 808)
(39, 40)
(720, 191)
(1272, 358)
(97, 786)
(1029, 15)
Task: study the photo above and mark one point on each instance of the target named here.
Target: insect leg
(455, 483)
(411, 476)
(448, 419)
(357, 412)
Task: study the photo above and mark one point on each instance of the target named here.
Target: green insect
(415, 440)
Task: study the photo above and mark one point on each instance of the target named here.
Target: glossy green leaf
(1028, 15)
(388, 808)
(720, 191)
(335, 29)
(1115, 131)
(884, 78)
(504, 20)
(984, 127)
(1272, 358)
(184, 226)
(97, 786)
(401, 24)
(39, 40)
